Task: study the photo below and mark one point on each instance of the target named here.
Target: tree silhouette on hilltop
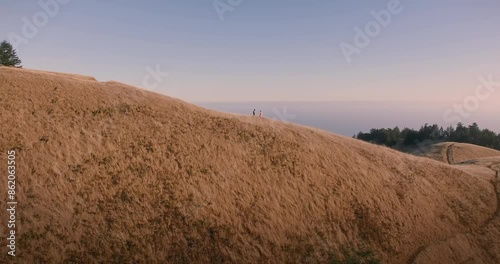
(8, 55)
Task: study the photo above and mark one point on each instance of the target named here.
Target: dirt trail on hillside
(496, 182)
(449, 153)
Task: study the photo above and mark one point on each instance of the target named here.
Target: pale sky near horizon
(269, 50)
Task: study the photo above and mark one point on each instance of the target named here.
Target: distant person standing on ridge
(254, 112)
(260, 114)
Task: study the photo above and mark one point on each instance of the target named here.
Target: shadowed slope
(108, 172)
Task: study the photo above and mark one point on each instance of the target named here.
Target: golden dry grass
(112, 173)
(471, 246)
(474, 245)
(451, 152)
(464, 152)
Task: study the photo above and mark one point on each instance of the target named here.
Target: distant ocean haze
(350, 117)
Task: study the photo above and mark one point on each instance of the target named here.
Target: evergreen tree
(474, 133)
(8, 55)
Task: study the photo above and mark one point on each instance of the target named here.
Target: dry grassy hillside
(479, 162)
(112, 173)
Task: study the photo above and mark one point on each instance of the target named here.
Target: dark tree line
(463, 134)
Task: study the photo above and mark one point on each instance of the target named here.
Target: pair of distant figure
(260, 113)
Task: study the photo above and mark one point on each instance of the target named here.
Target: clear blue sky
(267, 50)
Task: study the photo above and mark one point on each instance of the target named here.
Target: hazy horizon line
(324, 101)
